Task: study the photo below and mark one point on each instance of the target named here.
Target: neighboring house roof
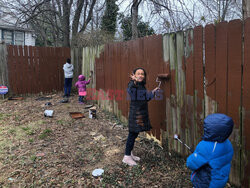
(11, 22)
(9, 27)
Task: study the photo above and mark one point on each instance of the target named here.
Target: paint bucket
(48, 113)
(92, 113)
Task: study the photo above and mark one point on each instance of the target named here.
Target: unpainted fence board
(180, 89)
(173, 63)
(167, 91)
(189, 77)
(3, 65)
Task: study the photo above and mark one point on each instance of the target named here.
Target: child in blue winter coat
(211, 161)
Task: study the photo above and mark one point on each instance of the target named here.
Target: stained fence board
(11, 69)
(234, 92)
(210, 70)
(25, 69)
(221, 66)
(198, 83)
(246, 108)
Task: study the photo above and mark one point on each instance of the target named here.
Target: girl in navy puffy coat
(138, 112)
(211, 161)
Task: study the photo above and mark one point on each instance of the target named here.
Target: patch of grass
(3, 116)
(33, 158)
(25, 128)
(28, 130)
(31, 140)
(110, 179)
(85, 174)
(17, 117)
(114, 118)
(12, 131)
(60, 122)
(45, 133)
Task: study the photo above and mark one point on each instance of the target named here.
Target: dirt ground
(38, 151)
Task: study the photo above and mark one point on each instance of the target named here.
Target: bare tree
(134, 14)
(181, 14)
(59, 17)
(246, 8)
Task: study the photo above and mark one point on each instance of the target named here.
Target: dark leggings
(130, 142)
(81, 98)
(67, 86)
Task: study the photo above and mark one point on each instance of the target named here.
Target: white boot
(127, 159)
(135, 158)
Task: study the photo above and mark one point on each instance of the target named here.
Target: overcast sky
(192, 7)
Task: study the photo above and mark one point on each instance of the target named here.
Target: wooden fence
(35, 69)
(3, 65)
(209, 72)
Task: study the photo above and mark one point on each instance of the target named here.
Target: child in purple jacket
(81, 85)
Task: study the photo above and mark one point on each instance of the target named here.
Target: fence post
(3, 66)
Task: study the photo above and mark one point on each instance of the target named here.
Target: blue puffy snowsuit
(210, 162)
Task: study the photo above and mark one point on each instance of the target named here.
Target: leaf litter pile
(59, 151)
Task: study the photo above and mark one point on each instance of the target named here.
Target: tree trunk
(65, 23)
(134, 14)
(246, 8)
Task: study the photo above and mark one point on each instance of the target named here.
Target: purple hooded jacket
(81, 83)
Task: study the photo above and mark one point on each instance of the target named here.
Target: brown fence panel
(11, 68)
(245, 140)
(234, 92)
(221, 66)
(26, 88)
(18, 70)
(36, 69)
(198, 83)
(32, 69)
(152, 69)
(116, 92)
(210, 70)
(36, 74)
(125, 72)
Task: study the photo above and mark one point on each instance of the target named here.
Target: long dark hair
(145, 74)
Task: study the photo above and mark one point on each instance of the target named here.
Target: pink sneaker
(135, 158)
(127, 159)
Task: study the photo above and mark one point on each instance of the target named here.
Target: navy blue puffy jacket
(211, 161)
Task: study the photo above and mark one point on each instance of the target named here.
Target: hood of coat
(217, 127)
(81, 78)
(67, 65)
